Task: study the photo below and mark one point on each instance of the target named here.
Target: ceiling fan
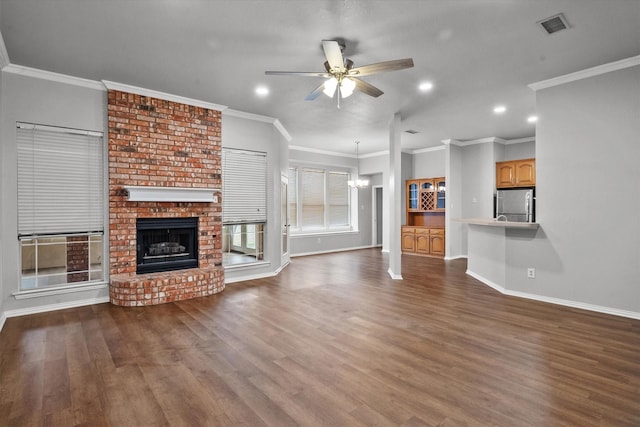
(341, 75)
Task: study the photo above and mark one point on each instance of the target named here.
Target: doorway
(376, 223)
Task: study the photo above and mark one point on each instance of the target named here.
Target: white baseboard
(449, 258)
(52, 307)
(3, 318)
(330, 251)
(255, 276)
(557, 301)
(394, 276)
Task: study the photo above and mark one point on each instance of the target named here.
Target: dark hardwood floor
(331, 341)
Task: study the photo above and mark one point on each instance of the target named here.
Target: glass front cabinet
(424, 230)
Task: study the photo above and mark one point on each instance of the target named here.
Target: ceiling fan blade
(316, 93)
(297, 73)
(367, 88)
(334, 55)
(381, 67)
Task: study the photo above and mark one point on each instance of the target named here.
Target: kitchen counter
(490, 222)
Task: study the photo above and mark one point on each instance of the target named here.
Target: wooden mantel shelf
(490, 222)
(171, 194)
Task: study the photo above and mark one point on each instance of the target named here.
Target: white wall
(241, 132)
(455, 231)
(587, 249)
(478, 180)
(41, 101)
(2, 180)
(522, 150)
(429, 163)
(378, 167)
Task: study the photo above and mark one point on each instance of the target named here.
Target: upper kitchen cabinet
(516, 173)
(425, 197)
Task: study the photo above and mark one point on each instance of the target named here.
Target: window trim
(352, 194)
(71, 287)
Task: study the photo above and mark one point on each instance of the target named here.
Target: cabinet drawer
(422, 231)
(408, 230)
(436, 231)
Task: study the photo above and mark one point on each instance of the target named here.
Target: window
(319, 200)
(242, 243)
(292, 198)
(244, 206)
(60, 206)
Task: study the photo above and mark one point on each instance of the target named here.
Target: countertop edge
(490, 222)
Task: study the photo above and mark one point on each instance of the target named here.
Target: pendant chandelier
(358, 183)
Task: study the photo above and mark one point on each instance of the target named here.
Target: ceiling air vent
(411, 131)
(554, 24)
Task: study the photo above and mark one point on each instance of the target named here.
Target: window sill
(57, 290)
(247, 265)
(322, 233)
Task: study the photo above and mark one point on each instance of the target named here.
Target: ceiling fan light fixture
(347, 86)
(330, 87)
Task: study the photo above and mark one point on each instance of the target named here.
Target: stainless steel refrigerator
(517, 204)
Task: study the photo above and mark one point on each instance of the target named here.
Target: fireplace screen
(165, 244)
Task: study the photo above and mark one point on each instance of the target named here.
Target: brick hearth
(153, 142)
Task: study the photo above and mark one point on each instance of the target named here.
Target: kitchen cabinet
(408, 239)
(436, 242)
(423, 233)
(423, 241)
(426, 195)
(516, 173)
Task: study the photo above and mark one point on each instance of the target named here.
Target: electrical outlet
(531, 273)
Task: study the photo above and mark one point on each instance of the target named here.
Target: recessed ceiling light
(499, 109)
(262, 91)
(425, 86)
(532, 119)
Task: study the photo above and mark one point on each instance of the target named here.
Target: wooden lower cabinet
(408, 239)
(423, 241)
(436, 242)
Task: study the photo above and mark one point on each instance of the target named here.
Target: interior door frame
(374, 215)
(285, 237)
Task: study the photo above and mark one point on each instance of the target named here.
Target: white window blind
(312, 198)
(244, 186)
(338, 199)
(292, 197)
(60, 180)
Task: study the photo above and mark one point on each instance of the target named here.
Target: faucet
(501, 217)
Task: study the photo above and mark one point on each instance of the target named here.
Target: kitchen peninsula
(488, 249)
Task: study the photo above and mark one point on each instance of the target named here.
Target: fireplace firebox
(166, 244)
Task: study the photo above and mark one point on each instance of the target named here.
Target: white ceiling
(477, 53)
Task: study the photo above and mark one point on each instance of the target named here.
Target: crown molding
(450, 142)
(429, 149)
(491, 139)
(335, 153)
(376, 154)
(248, 116)
(474, 141)
(162, 95)
(589, 72)
(282, 130)
(4, 55)
(317, 151)
(54, 77)
(259, 118)
(520, 140)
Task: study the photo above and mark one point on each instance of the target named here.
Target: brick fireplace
(164, 145)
